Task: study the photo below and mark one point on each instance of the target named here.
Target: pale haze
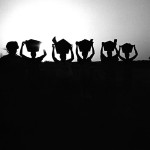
(75, 20)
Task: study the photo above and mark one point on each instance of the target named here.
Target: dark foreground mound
(75, 106)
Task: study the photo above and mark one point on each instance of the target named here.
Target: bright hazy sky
(75, 20)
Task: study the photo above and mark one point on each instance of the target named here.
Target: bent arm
(53, 55)
(136, 54)
(102, 56)
(117, 54)
(122, 58)
(78, 56)
(93, 52)
(72, 56)
(21, 51)
(41, 57)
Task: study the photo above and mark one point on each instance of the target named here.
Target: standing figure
(62, 47)
(85, 47)
(11, 66)
(32, 47)
(127, 49)
(109, 47)
(12, 57)
(32, 64)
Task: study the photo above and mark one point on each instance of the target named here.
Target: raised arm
(116, 57)
(117, 52)
(53, 54)
(102, 56)
(78, 56)
(72, 56)
(93, 52)
(21, 51)
(136, 53)
(122, 58)
(41, 57)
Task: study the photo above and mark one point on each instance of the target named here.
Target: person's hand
(77, 43)
(23, 42)
(103, 44)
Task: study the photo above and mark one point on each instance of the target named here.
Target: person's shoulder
(89, 59)
(4, 58)
(18, 57)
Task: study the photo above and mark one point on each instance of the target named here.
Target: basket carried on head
(109, 45)
(127, 48)
(62, 46)
(85, 45)
(32, 45)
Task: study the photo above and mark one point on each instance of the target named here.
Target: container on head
(32, 45)
(85, 45)
(109, 45)
(62, 46)
(127, 48)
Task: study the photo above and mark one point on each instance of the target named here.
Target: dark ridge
(75, 106)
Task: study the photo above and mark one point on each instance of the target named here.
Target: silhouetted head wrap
(32, 45)
(12, 45)
(109, 45)
(62, 46)
(127, 48)
(85, 45)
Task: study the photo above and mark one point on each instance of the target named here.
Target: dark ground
(74, 106)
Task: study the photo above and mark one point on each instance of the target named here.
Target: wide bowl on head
(32, 45)
(109, 45)
(85, 45)
(127, 48)
(62, 46)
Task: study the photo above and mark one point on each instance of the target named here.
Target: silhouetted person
(109, 47)
(11, 66)
(32, 47)
(85, 47)
(127, 48)
(62, 47)
(12, 57)
(32, 64)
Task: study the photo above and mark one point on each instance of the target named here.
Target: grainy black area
(75, 106)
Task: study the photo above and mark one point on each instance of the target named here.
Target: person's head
(127, 55)
(33, 54)
(127, 49)
(109, 54)
(12, 47)
(32, 46)
(84, 54)
(63, 57)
